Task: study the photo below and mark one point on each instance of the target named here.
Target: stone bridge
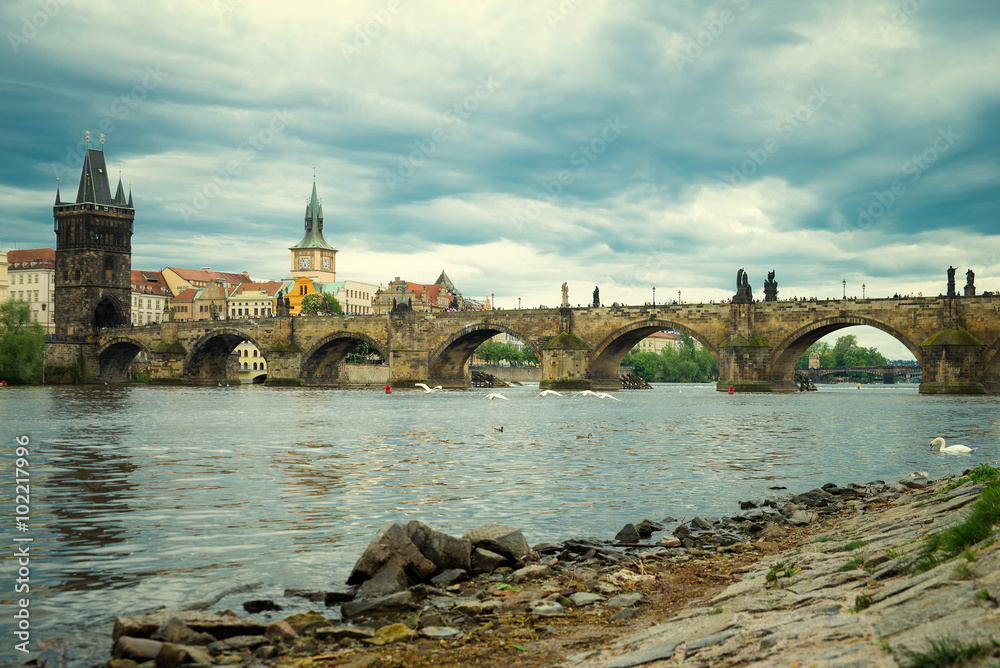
(889, 373)
(956, 341)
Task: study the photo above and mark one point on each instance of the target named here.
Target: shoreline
(535, 616)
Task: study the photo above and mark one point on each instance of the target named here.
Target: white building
(31, 276)
(150, 296)
(252, 300)
(3, 278)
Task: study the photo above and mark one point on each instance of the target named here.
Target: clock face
(304, 262)
(326, 263)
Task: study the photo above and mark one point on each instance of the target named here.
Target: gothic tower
(313, 257)
(93, 253)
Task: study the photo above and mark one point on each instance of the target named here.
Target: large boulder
(504, 540)
(223, 625)
(445, 551)
(392, 547)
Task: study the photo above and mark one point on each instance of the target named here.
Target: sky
(629, 145)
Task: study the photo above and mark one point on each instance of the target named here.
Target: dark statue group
(970, 286)
(744, 293)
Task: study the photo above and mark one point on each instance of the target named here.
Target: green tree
(22, 343)
(845, 352)
(320, 302)
(363, 352)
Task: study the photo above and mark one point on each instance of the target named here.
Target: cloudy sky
(517, 145)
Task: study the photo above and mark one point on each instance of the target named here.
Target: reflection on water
(154, 496)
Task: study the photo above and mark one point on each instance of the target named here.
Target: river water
(144, 497)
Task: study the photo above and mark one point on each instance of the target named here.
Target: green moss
(175, 347)
(952, 336)
(284, 382)
(565, 384)
(566, 341)
(167, 381)
(952, 387)
(755, 341)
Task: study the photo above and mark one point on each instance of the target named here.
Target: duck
(428, 390)
(499, 429)
(951, 449)
(587, 436)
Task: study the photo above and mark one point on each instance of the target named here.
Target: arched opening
(108, 314)
(867, 352)
(345, 359)
(607, 356)
(449, 363)
(123, 360)
(214, 358)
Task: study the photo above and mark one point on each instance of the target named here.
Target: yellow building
(251, 362)
(3, 278)
(657, 341)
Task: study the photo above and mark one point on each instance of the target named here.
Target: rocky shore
(835, 576)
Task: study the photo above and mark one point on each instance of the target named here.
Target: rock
(646, 528)
(628, 534)
(263, 605)
(543, 608)
(625, 600)
(338, 595)
(682, 531)
(771, 532)
(179, 633)
(499, 538)
(174, 656)
(138, 649)
(450, 576)
(801, 518)
(670, 541)
(747, 505)
(280, 629)
(338, 632)
(530, 572)
(699, 524)
(221, 626)
(391, 547)
(308, 594)
(444, 551)
(625, 577)
(391, 633)
(582, 599)
(485, 561)
(237, 643)
(304, 622)
(915, 482)
(388, 580)
(439, 632)
(401, 602)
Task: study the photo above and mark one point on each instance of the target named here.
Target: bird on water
(951, 449)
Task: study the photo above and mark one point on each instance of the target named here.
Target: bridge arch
(115, 357)
(211, 360)
(108, 312)
(786, 353)
(607, 356)
(449, 361)
(321, 364)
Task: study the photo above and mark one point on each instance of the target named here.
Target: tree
(363, 352)
(22, 343)
(320, 302)
(845, 352)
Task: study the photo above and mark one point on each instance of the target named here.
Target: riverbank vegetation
(687, 363)
(22, 343)
(494, 352)
(844, 353)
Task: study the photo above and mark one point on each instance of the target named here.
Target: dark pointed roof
(94, 188)
(314, 224)
(58, 203)
(120, 195)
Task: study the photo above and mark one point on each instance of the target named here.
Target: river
(145, 496)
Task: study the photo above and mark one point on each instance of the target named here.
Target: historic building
(150, 297)
(251, 363)
(207, 303)
(441, 295)
(313, 257)
(93, 258)
(3, 278)
(253, 300)
(179, 279)
(31, 277)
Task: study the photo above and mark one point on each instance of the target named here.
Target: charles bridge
(956, 342)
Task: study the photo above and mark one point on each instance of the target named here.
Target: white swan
(428, 389)
(586, 393)
(950, 449)
(496, 395)
(546, 393)
(605, 395)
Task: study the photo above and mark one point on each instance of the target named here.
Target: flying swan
(605, 395)
(496, 395)
(950, 449)
(428, 390)
(546, 393)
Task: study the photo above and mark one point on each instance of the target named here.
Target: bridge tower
(313, 257)
(93, 253)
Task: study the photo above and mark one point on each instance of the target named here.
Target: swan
(548, 392)
(605, 395)
(428, 390)
(586, 393)
(496, 395)
(950, 449)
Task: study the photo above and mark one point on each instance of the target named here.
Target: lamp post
(845, 288)
(654, 295)
(493, 301)
(862, 290)
(678, 296)
(518, 303)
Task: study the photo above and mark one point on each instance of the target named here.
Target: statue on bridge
(770, 288)
(951, 282)
(282, 305)
(970, 286)
(744, 293)
(565, 296)
(597, 296)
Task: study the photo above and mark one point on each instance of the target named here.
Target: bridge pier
(565, 364)
(744, 365)
(72, 362)
(952, 360)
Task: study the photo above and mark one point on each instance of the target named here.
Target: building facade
(150, 297)
(441, 295)
(657, 341)
(93, 255)
(3, 278)
(31, 276)
(179, 279)
(253, 300)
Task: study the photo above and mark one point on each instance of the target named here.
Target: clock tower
(313, 257)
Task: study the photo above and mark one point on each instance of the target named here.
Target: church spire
(314, 223)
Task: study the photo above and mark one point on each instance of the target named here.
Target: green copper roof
(314, 224)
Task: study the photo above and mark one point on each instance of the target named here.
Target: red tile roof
(44, 258)
(150, 282)
(209, 276)
(269, 287)
(186, 295)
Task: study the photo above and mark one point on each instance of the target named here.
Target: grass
(955, 540)
(861, 602)
(984, 594)
(855, 544)
(853, 563)
(946, 652)
(715, 611)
